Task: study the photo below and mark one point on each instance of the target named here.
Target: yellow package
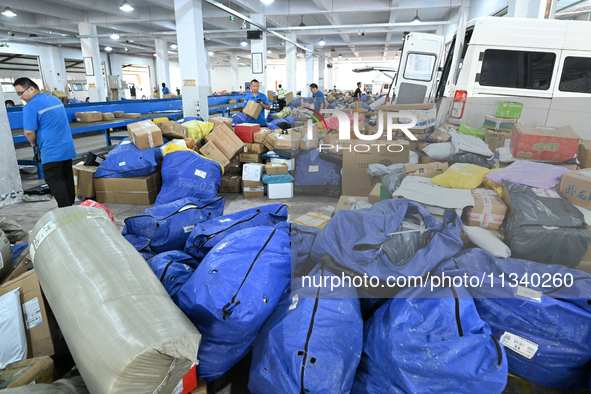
(461, 176)
(494, 186)
(198, 130)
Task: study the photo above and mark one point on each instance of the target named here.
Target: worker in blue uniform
(165, 90)
(259, 98)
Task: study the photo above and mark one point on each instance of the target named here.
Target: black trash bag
(471, 158)
(283, 125)
(331, 157)
(38, 190)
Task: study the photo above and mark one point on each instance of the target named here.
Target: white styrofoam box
(290, 163)
(252, 172)
(280, 190)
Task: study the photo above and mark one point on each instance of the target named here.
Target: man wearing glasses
(46, 126)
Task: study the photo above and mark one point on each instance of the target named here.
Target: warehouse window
(419, 67)
(576, 75)
(517, 69)
(7, 84)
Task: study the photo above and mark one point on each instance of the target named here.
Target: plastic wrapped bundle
(5, 255)
(123, 330)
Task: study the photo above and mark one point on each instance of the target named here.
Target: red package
(244, 131)
(91, 203)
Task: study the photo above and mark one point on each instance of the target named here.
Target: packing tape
(150, 138)
(486, 211)
(498, 126)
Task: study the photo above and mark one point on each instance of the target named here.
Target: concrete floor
(235, 381)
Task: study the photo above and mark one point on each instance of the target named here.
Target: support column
(260, 46)
(291, 63)
(309, 65)
(53, 69)
(234, 83)
(90, 49)
(189, 21)
(321, 67)
(162, 67)
(11, 188)
(330, 77)
(208, 68)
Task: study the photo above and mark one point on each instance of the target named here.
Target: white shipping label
(225, 220)
(75, 180)
(200, 173)
(99, 159)
(294, 302)
(313, 168)
(585, 173)
(125, 142)
(507, 143)
(32, 313)
(522, 346)
(352, 199)
(179, 388)
(529, 293)
(188, 229)
(43, 233)
(121, 163)
(546, 193)
(275, 164)
(1, 261)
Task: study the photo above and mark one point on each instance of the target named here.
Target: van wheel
(9, 103)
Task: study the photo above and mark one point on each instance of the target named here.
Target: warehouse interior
(312, 196)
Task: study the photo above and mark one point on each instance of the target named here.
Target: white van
(544, 64)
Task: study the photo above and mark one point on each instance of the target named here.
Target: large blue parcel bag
(173, 269)
(419, 345)
(232, 292)
(543, 320)
(126, 160)
(168, 226)
(207, 234)
(312, 342)
(185, 173)
(302, 239)
(393, 238)
(314, 176)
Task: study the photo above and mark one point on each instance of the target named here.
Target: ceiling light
(282, 43)
(267, 1)
(347, 59)
(332, 49)
(340, 56)
(243, 43)
(8, 12)
(302, 24)
(396, 57)
(126, 49)
(174, 46)
(269, 51)
(108, 49)
(207, 38)
(243, 25)
(114, 36)
(155, 55)
(210, 53)
(125, 6)
(416, 19)
(321, 42)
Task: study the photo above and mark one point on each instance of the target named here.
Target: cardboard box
(232, 101)
(488, 212)
(271, 139)
(576, 186)
(280, 190)
(276, 168)
(133, 115)
(254, 148)
(259, 136)
(497, 139)
(502, 124)
(39, 341)
(217, 120)
(19, 267)
(356, 180)
(108, 116)
(289, 162)
(60, 95)
(230, 184)
(233, 169)
(508, 109)
(250, 158)
(209, 150)
(141, 190)
(252, 109)
(288, 97)
(312, 219)
(172, 130)
(287, 142)
(167, 96)
(376, 194)
(90, 116)
(439, 136)
(347, 202)
(428, 170)
(584, 154)
(252, 189)
(252, 172)
(145, 134)
(270, 95)
(426, 114)
(26, 372)
(309, 144)
(245, 131)
(556, 144)
(84, 180)
(119, 114)
(226, 141)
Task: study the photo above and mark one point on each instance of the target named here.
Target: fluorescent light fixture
(243, 43)
(340, 55)
(108, 49)
(8, 12)
(210, 53)
(321, 42)
(269, 51)
(125, 6)
(347, 59)
(267, 1)
(174, 46)
(114, 36)
(126, 49)
(155, 55)
(302, 24)
(416, 19)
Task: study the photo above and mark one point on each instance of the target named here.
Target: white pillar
(90, 49)
(529, 9)
(260, 46)
(310, 65)
(53, 69)
(291, 63)
(189, 21)
(11, 188)
(235, 83)
(162, 66)
(321, 67)
(330, 77)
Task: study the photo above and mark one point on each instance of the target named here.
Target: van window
(517, 69)
(576, 75)
(7, 85)
(419, 67)
(77, 87)
(448, 59)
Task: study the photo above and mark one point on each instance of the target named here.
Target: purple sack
(529, 173)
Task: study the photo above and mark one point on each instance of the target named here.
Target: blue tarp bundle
(142, 245)
(414, 344)
(173, 269)
(554, 321)
(126, 160)
(302, 239)
(207, 234)
(295, 103)
(18, 249)
(311, 170)
(233, 292)
(274, 179)
(187, 174)
(169, 225)
(311, 343)
(239, 118)
(190, 118)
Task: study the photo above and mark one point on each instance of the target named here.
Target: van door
(419, 65)
(571, 99)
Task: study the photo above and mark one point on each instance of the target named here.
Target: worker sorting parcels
(46, 127)
(261, 99)
(281, 97)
